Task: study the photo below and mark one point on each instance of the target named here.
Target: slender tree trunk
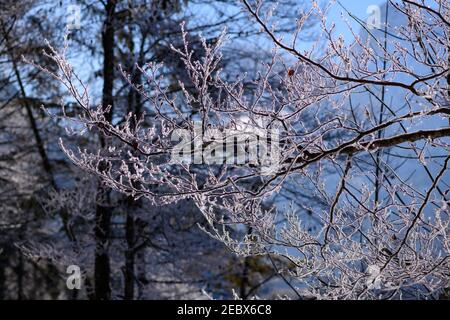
(379, 154)
(134, 105)
(19, 272)
(3, 265)
(103, 213)
(129, 257)
(245, 281)
(32, 120)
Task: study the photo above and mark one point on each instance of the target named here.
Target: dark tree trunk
(19, 273)
(3, 265)
(129, 257)
(103, 213)
(33, 124)
(245, 281)
(134, 106)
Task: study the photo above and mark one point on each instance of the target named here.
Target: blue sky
(357, 7)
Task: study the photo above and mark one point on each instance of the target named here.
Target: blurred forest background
(48, 206)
